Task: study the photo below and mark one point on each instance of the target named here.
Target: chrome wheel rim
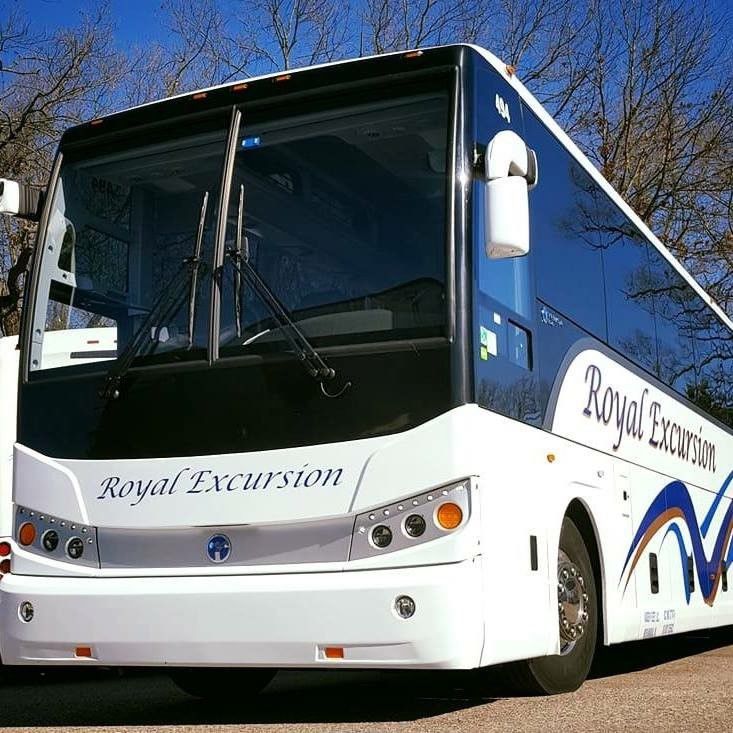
(572, 603)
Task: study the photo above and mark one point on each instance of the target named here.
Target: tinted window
(122, 232)
(342, 212)
(505, 373)
(564, 233)
(714, 366)
(674, 304)
(629, 302)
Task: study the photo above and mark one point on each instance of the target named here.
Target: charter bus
(399, 382)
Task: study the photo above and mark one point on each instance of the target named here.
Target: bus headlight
(56, 538)
(411, 521)
(381, 536)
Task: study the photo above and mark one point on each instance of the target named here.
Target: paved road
(681, 683)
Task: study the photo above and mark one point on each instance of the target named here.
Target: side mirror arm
(508, 155)
(9, 301)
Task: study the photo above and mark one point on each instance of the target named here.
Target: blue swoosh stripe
(705, 526)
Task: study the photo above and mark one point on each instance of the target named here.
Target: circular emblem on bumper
(218, 548)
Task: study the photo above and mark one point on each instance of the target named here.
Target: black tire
(222, 683)
(566, 672)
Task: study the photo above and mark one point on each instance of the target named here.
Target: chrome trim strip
(297, 543)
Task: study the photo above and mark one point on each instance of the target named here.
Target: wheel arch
(581, 515)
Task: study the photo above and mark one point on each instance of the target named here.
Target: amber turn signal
(449, 515)
(26, 534)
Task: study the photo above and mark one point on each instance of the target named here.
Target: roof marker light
(199, 95)
(413, 54)
(239, 87)
(96, 122)
(283, 77)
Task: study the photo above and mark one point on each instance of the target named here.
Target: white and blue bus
(399, 382)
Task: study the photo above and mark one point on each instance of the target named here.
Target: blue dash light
(251, 142)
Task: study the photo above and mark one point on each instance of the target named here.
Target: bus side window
(673, 307)
(629, 300)
(564, 233)
(504, 369)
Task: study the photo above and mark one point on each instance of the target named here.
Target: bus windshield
(340, 206)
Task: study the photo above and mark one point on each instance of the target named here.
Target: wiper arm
(312, 361)
(196, 260)
(167, 304)
(238, 278)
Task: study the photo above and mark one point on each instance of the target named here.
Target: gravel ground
(680, 683)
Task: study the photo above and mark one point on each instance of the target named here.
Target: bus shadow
(639, 655)
(136, 697)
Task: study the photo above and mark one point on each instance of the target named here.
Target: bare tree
(393, 25)
(198, 52)
(47, 82)
(280, 34)
(655, 113)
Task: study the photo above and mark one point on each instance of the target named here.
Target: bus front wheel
(577, 613)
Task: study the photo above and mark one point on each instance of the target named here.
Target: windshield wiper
(312, 361)
(168, 303)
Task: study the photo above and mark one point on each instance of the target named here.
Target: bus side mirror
(17, 199)
(511, 170)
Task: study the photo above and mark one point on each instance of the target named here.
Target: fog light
(75, 548)
(50, 540)
(414, 525)
(405, 606)
(25, 611)
(381, 536)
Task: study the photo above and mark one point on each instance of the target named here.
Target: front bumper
(283, 620)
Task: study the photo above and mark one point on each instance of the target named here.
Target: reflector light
(334, 652)
(449, 515)
(26, 534)
(83, 651)
(5, 549)
(4, 567)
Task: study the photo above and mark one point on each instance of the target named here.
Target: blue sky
(138, 21)
(135, 20)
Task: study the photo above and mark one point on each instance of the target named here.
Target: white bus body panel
(8, 407)
(524, 480)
